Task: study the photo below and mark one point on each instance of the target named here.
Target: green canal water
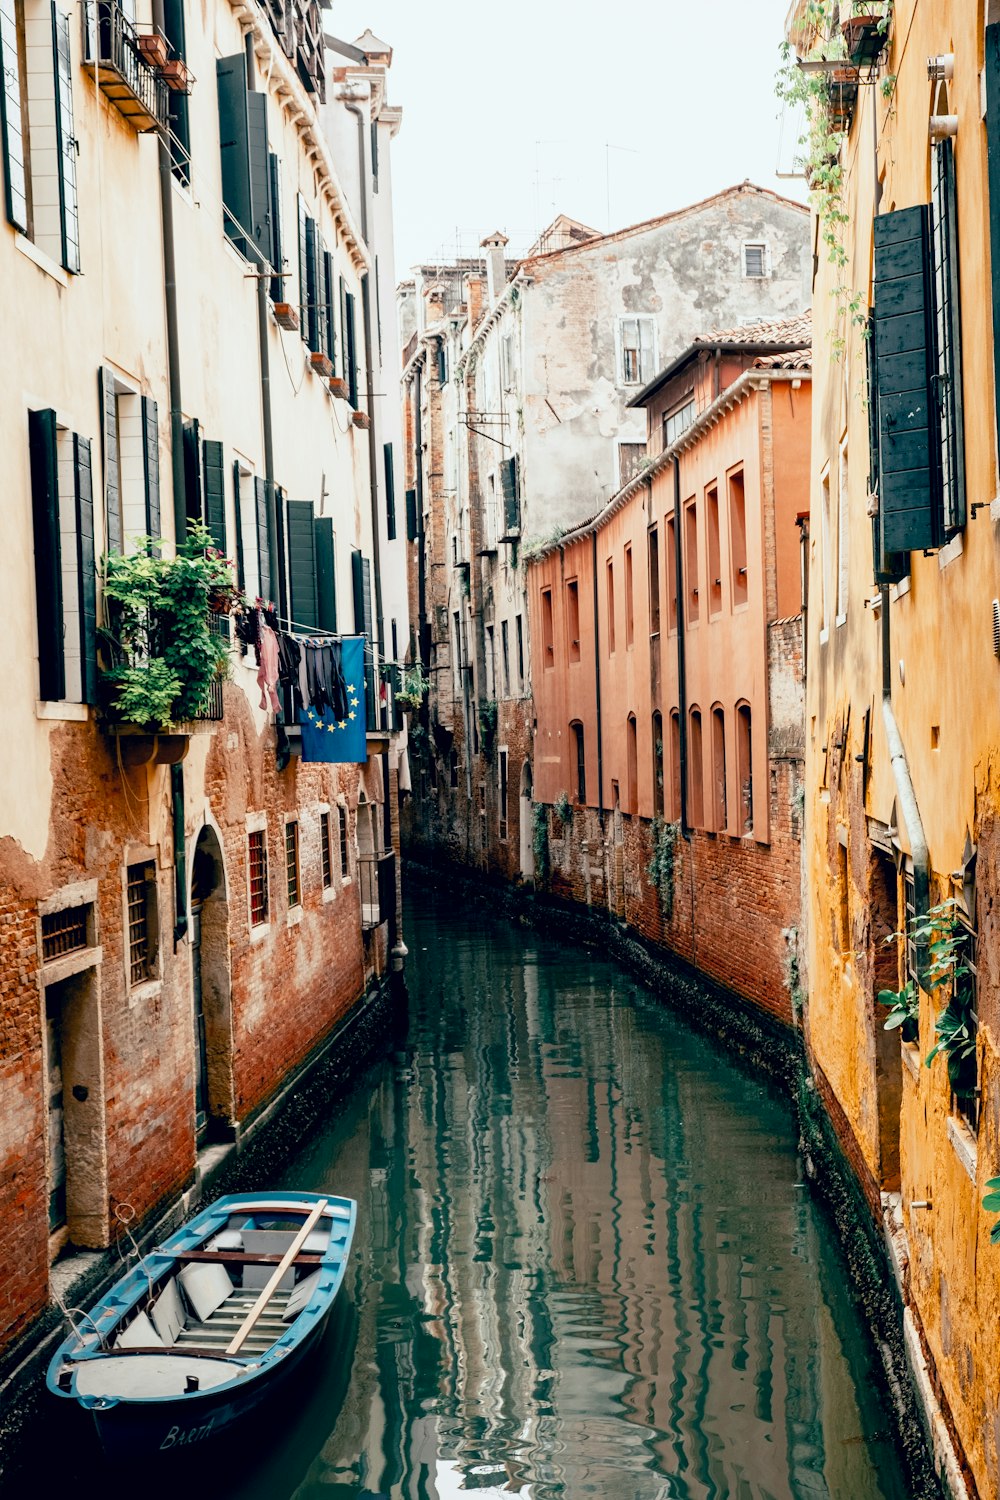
(586, 1264)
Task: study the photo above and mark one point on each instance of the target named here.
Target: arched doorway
(524, 825)
(213, 1016)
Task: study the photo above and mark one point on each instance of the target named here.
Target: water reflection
(585, 1263)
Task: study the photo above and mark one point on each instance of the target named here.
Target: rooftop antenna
(608, 148)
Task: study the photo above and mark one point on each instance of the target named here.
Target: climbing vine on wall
(540, 840)
(661, 869)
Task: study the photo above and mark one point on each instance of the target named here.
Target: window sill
(44, 262)
(910, 1053)
(329, 893)
(953, 550)
(964, 1143)
(347, 879)
(293, 916)
(73, 963)
(67, 713)
(150, 989)
(259, 932)
(824, 636)
(840, 620)
(897, 590)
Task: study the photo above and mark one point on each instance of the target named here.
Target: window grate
(140, 878)
(64, 932)
(345, 869)
(292, 863)
(258, 878)
(324, 829)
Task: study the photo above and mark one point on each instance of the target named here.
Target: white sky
(508, 108)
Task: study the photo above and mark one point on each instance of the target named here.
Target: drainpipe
(423, 632)
(597, 688)
(267, 432)
(170, 306)
(681, 662)
(907, 798)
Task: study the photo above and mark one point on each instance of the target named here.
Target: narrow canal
(587, 1263)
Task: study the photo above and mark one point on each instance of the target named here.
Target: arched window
(696, 772)
(633, 766)
(658, 765)
(576, 738)
(744, 767)
(675, 766)
(719, 810)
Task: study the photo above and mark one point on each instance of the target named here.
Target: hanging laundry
(325, 736)
(282, 747)
(267, 671)
(289, 657)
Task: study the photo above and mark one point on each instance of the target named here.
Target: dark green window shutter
(234, 145)
(948, 381)
(390, 491)
(86, 558)
(909, 451)
(302, 565)
(260, 175)
(281, 583)
(511, 486)
(151, 465)
(192, 470)
(66, 140)
(361, 578)
(263, 531)
(177, 103)
(329, 296)
(442, 362)
(326, 573)
(411, 515)
(312, 286)
(274, 213)
(215, 494)
(48, 561)
(241, 575)
(109, 441)
(991, 74)
(303, 273)
(11, 119)
(374, 156)
(350, 349)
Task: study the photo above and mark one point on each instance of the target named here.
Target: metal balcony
(124, 73)
(377, 880)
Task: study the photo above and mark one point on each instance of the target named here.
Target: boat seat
(140, 1334)
(206, 1286)
(267, 1242)
(216, 1330)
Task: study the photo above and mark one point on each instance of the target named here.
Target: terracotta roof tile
(796, 330)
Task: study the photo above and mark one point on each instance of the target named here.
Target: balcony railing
(124, 73)
(377, 879)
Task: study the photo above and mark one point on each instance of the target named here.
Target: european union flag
(325, 737)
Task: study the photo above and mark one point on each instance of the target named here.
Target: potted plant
(904, 1011)
(361, 419)
(286, 316)
(339, 388)
(322, 364)
(864, 29)
(153, 47)
(175, 75)
(412, 689)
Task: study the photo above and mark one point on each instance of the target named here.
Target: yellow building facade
(903, 640)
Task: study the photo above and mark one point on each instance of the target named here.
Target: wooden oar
(269, 1290)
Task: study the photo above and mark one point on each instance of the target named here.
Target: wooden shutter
(263, 533)
(241, 578)
(12, 120)
(192, 471)
(909, 451)
(112, 482)
(260, 175)
(510, 484)
(411, 515)
(86, 558)
(304, 609)
(390, 492)
(48, 560)
(303, 273)
(361, 577)
(948, 382)
(350, 351)
(374, 133)
(215, 494)
(66, 140)
(329, 294)
(312, 286)
(442, 362)
(326, 573)
(281, 582)
(234, 146)
(274, 213)
(151, 466)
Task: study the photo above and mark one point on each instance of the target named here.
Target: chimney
(496, 268)
(474, 299)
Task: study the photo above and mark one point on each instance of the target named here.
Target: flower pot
(361, 419)
(339, 388)
(286, 316)
(864, 38)
(910, 1030)
(175, 75)
(962, 1074)
(321, 363)
(153, 48)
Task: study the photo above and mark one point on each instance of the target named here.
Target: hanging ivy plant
(941, 938)
(488, 714)
(412, 688)
(660, 870)
(162, 655)
(563, 809)
(540, 840)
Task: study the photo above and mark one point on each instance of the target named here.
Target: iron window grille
(259, 904)
(292, 863)
(966, 1105)
(345, 868)
(141, 897)
(65, 931)
(324, 833)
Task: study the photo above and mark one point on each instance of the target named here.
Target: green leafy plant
(563, 809)
(940, 937)
(904, 1010)
(412, 688)
(991, 1203)
(540, 840)
(161, 653)
(488, 715)
(661, 868)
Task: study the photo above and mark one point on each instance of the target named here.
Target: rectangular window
(573, 619)
(691, 559)
(503, 796)
(671, 574)
(714, 559)
(653, 546)
(505, 657)
(326, 850)
(636, 350)
(348, 343)
(738, 537)
(39, 136)
(611, 607)
(259, 902)
(390, 492)
(510, 485)
(826, 549)
(631, 461)
(248, 551)
(843, 536)
(141, 896)
(292, 863)
(519, 631)
(576, 729)
(453, 769)
(62, 505)
(629, 602)
(756, 260)
(548, 647)
(491, 687)
(965, 1092)
(677, 421)
(345, 865)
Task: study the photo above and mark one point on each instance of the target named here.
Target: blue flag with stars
(328, 738)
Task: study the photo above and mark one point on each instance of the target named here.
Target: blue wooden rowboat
(209, 1323)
